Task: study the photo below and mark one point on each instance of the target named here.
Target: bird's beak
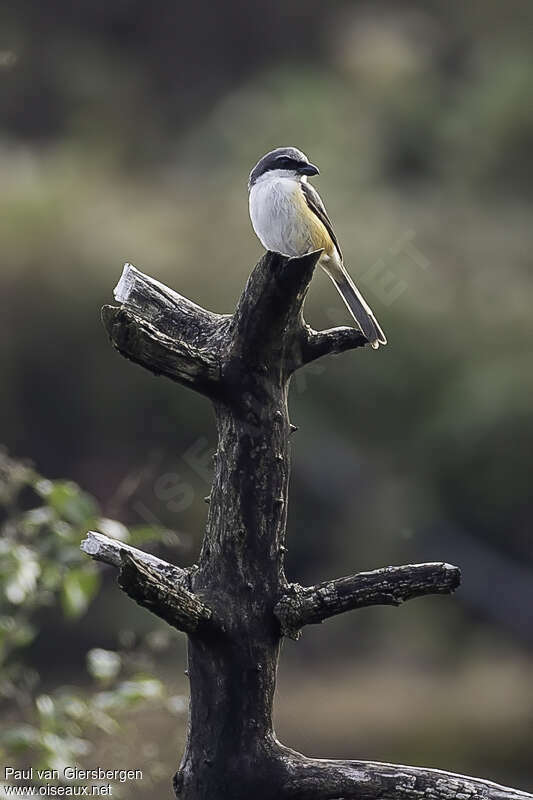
(309, 169)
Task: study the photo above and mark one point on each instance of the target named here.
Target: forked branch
(169, 335)
(387, 586)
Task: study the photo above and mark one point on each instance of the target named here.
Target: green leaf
(51, 576)
(23, 581)
(79, 587)
(104, 665)
(45, 705)
(143, 689)
(36, 517)
(71, 503)
(20, 738)
(43, 487)
(23, 634)
(73, 706)
(101, 720)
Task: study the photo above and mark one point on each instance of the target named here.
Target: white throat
(273, 175)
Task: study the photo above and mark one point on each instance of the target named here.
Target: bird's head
(283, 162)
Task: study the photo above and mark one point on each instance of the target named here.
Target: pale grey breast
(277, 213)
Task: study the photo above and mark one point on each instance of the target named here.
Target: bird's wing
(314, 202)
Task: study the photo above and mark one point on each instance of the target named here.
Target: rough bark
(322, 779)
(389, 586)
(163, 331)
(110, 551)
(173, 602)
(236, 604)
(153, 583)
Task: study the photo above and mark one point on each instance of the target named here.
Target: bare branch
(321, 779)
(315, 344)
(164, 332)
(151, 582)
(142, 343)
(173, 602)
(110, 551)
(270, 308)
(172, 313)
(387, 586)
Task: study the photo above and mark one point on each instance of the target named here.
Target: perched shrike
(289, 217)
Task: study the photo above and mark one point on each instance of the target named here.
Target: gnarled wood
(110, 551)
(153, 583)
(236, 605)
(389, 586)
(172, 601)
(315, 344)
(166, 333)
(323, 779)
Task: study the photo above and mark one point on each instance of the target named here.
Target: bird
(289, 217)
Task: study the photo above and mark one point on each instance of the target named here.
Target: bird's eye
(284, 161)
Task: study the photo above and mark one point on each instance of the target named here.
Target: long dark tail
(357, 305)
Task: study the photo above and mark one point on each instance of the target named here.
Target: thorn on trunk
(293, 428)
(207, 499)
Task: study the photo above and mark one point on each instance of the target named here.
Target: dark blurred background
(127, 133)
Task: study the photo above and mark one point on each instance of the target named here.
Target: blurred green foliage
(41, 562)
(41, 565)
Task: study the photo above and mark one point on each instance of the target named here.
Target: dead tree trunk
(236, 604)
